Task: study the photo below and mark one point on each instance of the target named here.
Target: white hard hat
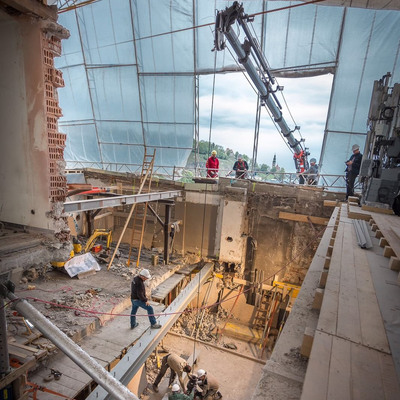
(201, 373)
(145, 273)
(355, 147)
(175, 387)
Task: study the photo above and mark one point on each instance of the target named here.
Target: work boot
(134, 326)
(155, 388)
(155, 326)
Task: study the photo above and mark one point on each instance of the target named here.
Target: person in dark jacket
(352, 169)
(240, 167)
(312, 172)
(139, 299)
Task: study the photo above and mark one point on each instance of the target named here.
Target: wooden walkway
(351, 356)
(107, 346)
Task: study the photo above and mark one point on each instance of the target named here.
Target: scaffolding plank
(95, 204)
(162, 290)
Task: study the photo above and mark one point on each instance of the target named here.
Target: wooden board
(303, 218)
(339, 369)
(377, 210)
(389, 225)
(162, 290)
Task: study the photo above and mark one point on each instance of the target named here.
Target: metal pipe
(71, 349)
(166, 233)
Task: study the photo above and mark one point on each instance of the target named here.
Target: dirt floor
(237, 376)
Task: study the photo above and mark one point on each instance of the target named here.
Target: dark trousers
(135, 306)
(350, 179)
(163, 370)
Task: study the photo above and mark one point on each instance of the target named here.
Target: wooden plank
(318, 297)
(331, 203)
(307, 343)
(348, 325)
(316, 381)
(394, 263)
(327, 321)
(389, 225)
(162, 290)
(66, 386)
(388, 252)
(383, 242)
(365, 375)
(16, 373)
(391, 386)
(377, 209)
(372, 329)
(68, 370)
(356, 212)
(303, 218)
(339, 386)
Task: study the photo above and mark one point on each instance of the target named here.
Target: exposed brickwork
(51, 47)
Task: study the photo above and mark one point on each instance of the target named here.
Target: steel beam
(130, 364)
(70, 348)
(94, 204)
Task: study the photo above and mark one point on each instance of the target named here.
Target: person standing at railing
(312, 172)
(212, 165)
(240, 167)
(352, 169)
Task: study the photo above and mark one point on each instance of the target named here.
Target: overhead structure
(251, 57)
(130, 70)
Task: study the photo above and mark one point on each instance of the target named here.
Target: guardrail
(187, 174)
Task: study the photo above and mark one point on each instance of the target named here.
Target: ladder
(261, 313)
(140, 212)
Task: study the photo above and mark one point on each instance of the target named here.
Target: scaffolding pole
(105, 379)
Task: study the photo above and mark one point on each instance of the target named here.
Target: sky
(234, 113)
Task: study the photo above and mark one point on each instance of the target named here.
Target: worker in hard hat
(176, 393)
(353, 165)
(312, 172)
(177, 365)
(212, 165)
(207, 386)
(240, 167)
(139, 299)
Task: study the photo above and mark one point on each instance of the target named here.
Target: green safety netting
(130, 69)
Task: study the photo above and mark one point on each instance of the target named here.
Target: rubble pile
(200, 324)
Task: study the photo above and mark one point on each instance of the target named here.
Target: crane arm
(251, 57)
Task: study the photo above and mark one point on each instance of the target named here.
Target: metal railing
(188, 174)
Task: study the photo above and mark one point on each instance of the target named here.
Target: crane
(250, 56)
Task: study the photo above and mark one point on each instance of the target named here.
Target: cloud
(234, 111)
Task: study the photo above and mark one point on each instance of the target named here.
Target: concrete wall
(285, 248)
(233, 233)
(24, 175)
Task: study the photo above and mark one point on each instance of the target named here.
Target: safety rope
(36, 388)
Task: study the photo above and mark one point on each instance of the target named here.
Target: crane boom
(250, 56)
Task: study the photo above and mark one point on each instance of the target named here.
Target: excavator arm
(250, 56)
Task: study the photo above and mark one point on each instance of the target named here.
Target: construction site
(280, 288)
